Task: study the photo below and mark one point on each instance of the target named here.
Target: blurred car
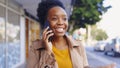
(99, 46)
(113, 47)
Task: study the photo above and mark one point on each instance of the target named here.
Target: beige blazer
(40, 58)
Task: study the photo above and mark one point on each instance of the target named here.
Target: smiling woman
(61, 51)
(57, 18)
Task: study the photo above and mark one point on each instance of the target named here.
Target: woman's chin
(60, 34)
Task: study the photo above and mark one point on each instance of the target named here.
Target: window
(13, 5)
(2, 24)
(13, 39)
(11, 48)
(2, 1)
(2, 37)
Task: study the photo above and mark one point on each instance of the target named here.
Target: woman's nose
(60, 22)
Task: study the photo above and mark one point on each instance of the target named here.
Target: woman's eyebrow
(54, 15)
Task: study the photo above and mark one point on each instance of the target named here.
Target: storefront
(17, 31)
(32, 32)
(12, 34)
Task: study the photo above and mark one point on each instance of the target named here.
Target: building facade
(16, 33)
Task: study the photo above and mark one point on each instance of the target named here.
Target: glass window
(2, 37)
(2, 1)
(13, 39)
(13, 5)
(2, 24)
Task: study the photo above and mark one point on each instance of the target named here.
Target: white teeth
(59, 29)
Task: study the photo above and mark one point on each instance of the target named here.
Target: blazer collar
(71, 42)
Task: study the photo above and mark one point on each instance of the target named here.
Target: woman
(60, 51)
(55, 49)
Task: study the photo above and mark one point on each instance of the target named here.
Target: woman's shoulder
(36, 44)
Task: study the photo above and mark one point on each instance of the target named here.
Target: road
(99, 59)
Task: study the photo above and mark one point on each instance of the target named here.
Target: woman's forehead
(57, 11)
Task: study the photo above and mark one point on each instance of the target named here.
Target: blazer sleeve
(83, 53)
(32, 58)
(85, 58)
(38, 54)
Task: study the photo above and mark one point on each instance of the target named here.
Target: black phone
(45, 26)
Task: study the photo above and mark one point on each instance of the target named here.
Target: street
(99, 59)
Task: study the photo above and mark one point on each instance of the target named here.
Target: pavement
(99, 62)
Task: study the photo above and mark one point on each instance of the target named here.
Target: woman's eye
(64, 19)
(54, 19)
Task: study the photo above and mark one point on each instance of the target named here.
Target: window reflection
(2, 37)
(13, 32)
(10, 48)
(2, 24)
(2, 29)
(13, 39)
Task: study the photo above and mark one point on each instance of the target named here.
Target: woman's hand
(45, 37)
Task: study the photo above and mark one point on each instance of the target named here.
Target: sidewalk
(97, 61)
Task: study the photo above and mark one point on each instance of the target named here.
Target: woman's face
(58, 20)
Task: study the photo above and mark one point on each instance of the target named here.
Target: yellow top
(62, 57)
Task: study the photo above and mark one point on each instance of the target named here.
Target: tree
(86, 12)
(98, 34)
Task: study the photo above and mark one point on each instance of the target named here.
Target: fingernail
(47, 27)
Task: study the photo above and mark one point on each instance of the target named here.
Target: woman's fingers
(46, 34)
(49, 35)
(45, 37)
(45, 30)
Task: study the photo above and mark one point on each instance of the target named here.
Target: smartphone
(45, 26)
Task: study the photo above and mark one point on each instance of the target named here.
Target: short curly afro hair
(44, 7)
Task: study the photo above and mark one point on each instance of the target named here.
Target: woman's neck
(60, 42)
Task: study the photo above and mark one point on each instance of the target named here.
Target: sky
(111, 19)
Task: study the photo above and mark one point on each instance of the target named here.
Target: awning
(31, 6)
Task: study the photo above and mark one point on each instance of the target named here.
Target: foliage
(98, 34)
(86, 12)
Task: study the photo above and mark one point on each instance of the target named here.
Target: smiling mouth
(59, 29)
